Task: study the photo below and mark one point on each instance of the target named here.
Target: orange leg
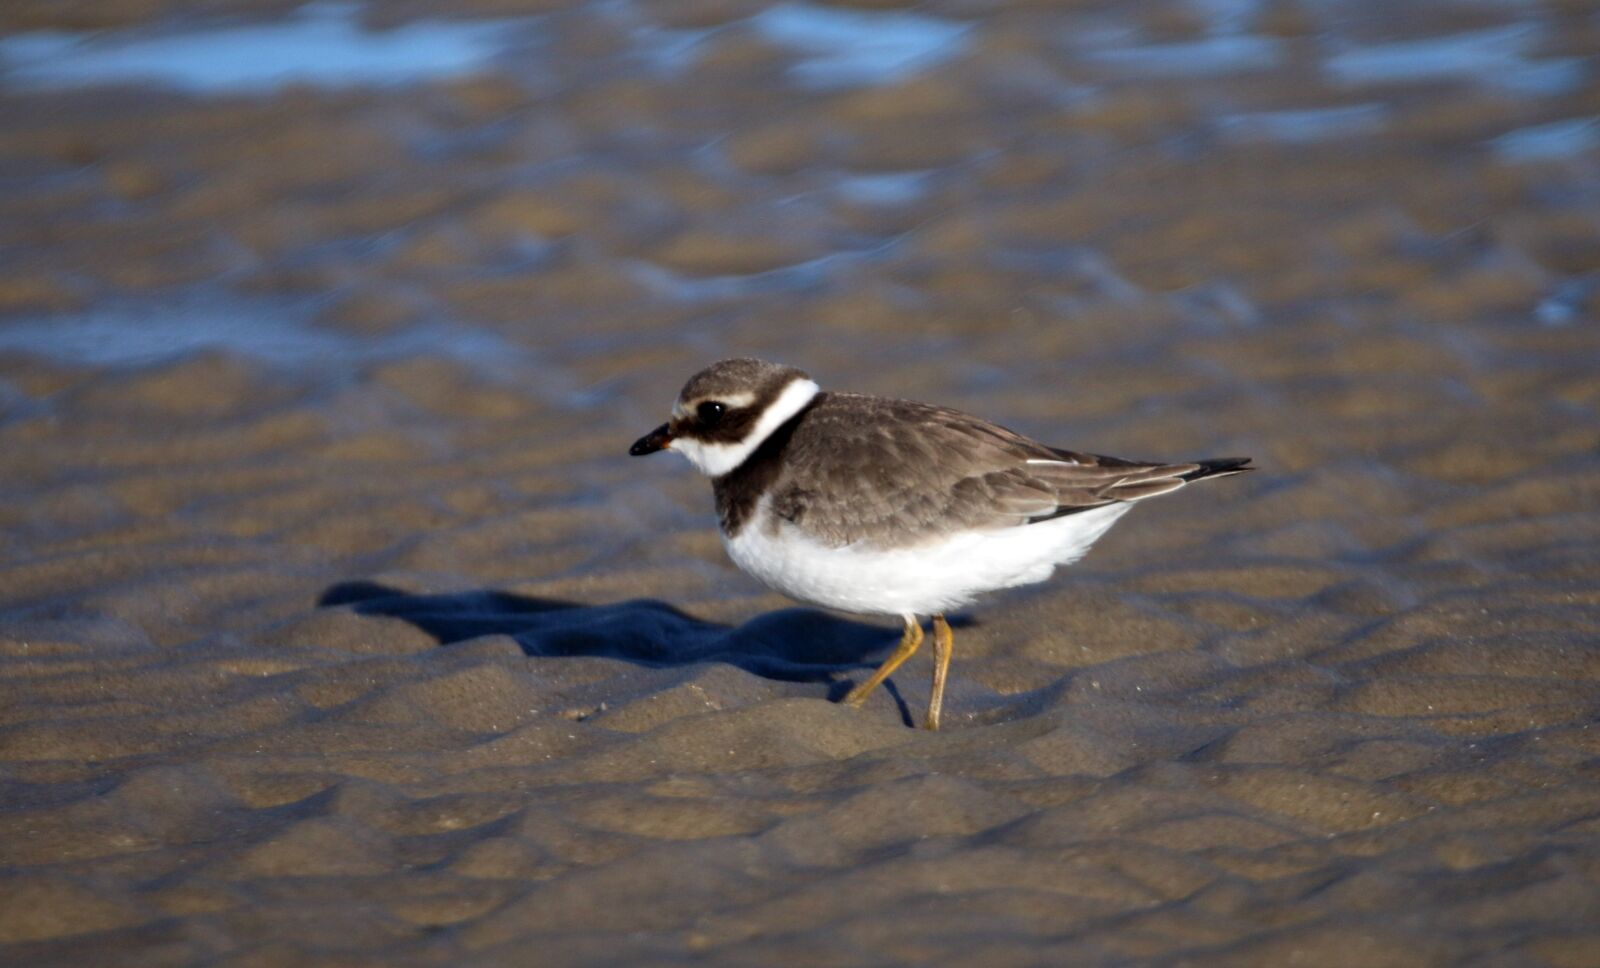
(943, 645)
(909, 642)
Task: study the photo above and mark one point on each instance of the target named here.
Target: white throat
(715, 460)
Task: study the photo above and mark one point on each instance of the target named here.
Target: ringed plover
(891, 507)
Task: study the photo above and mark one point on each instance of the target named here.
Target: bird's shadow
(790, 645)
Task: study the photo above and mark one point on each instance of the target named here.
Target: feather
(898, 474)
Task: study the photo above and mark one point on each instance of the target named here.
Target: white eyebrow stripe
(732, 401)
(736, 400)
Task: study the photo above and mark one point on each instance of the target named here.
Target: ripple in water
(1305, 126)
(1498, 57)
(323, 45)
(1549, 142)
(1225, 54)
(847, 48)
(274, 330)
(883, 189)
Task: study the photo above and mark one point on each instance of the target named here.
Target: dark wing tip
(1159, 479)
(1219, 467)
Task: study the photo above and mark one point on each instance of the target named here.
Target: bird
(878, 506)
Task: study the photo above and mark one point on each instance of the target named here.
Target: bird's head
(726, 410)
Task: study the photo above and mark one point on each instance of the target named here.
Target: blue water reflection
(323, 44)
(1549, 142)
(1305, 126)
(1225, 54)
(277, 330)
(1501, 57)
(846, 48)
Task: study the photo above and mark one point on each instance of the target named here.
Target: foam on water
(846, 48)
(323, 44)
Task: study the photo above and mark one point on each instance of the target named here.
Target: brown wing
(898, 473)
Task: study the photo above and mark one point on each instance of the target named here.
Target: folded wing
(898, 473)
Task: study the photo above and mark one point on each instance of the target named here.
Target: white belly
(926, 580)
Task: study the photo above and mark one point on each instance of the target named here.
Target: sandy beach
(337, 628)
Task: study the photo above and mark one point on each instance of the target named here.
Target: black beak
(655, 440)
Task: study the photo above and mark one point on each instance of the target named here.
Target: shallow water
(276, 331)
(842, 48)
(1209, 55)
(336, 626)
(1573, 138)
(1310, 125)
(1499, 57)
(323, 44)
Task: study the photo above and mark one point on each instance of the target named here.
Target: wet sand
(336, 628)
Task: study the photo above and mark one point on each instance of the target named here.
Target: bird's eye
(709, 412)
